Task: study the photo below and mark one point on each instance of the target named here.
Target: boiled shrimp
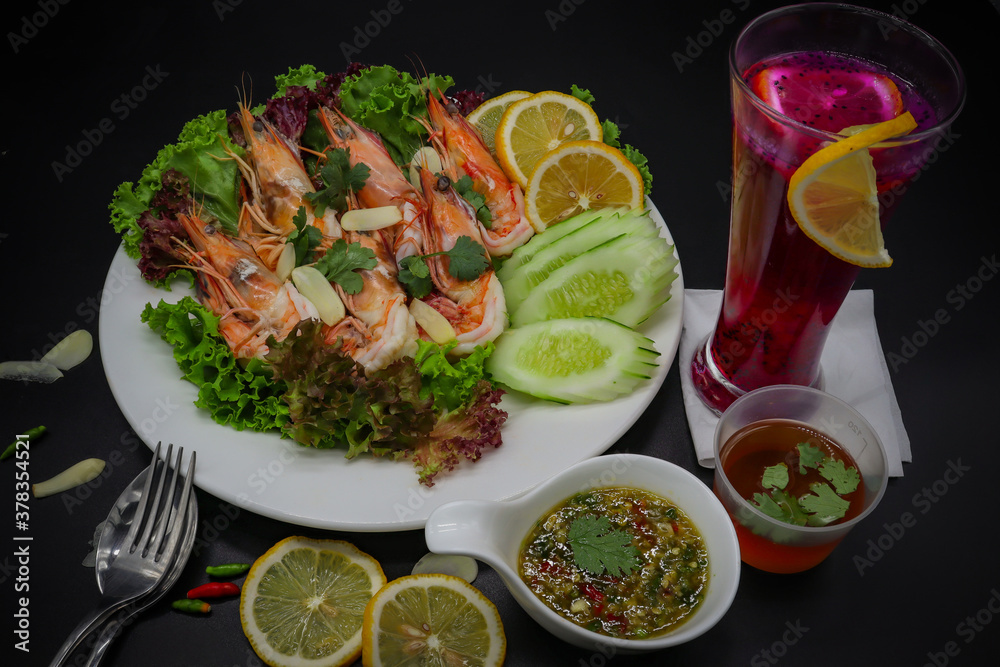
(251, 302)
(461, 142)
(384, 329)
(475, 308)
(279, 184)
(386, 184)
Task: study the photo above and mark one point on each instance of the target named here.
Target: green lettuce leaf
(389, 102)
(198, 153)
(242, 396)
(306, 75)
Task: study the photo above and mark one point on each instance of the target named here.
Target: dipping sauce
(621, 562)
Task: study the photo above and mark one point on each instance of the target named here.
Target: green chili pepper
(30, 434)
(227, 570)
(192, 606)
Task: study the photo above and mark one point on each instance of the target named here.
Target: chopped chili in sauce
(652, 599)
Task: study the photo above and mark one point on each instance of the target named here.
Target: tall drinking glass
(822, 67)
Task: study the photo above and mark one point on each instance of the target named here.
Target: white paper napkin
(854, 370)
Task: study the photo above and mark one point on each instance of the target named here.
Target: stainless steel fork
(148, 551)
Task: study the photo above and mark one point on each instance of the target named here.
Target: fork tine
(154, 504)
(144, 501)
(164, 518)
(177, 523)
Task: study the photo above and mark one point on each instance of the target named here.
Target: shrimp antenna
(241, 90)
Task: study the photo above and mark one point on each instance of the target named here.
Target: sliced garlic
(370, 219)
(29, 371)
(462, 567)
(314, 286)
(433, 322)
(71, 350)
(426, 158)
(286, 262)
(74, 476)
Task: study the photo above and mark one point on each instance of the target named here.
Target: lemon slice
(535, 125)
(432, 619)
(834, 199)
(578, 176)
(303, 602)
(486, 117)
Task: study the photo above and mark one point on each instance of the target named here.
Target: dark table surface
(931, 593)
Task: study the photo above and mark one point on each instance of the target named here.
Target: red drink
(783, 289)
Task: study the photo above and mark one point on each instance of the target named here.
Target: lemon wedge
(834, 198)
(432, 619)
(486, 117)
(303, 602)
(533, 126)
(579, 176)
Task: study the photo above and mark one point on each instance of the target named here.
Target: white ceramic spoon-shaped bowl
(493, 532)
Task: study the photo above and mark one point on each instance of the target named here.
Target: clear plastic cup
(767, 543)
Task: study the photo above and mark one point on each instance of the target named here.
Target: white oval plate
(319, 488)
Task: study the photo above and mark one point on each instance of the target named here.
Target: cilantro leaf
(467, 260)
(340, 262)
(810, 456)
(779, 505)
(415, 276)
(823, 505)
(463, 187)
(766, 504)
(775, 477)
(305, 238)
(340, 178)
(845, 480)
(597, 547)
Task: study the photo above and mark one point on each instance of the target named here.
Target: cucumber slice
(574, 360)
(519, 280)
(540, 241)
(624, 279)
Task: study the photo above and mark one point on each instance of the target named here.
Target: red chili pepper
(591, 592)
(215, 589)
(619, 620)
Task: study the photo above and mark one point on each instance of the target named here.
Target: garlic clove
(314, 286)
(434, 323)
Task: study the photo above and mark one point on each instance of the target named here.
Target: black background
(909, 607)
